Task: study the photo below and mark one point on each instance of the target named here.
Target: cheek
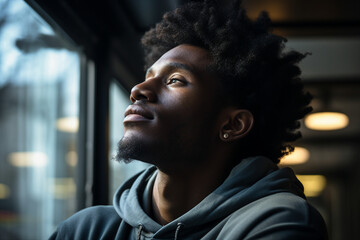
(189, 109)
(188, 116)
(187, 100)
(179, 109)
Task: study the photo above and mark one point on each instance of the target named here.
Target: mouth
(136, 113)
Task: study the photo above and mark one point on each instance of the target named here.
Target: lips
(136, 113)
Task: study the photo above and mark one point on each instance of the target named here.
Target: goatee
(128, 150)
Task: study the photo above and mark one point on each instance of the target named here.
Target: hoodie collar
(251, 179)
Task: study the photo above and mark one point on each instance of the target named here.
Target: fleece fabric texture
(256, 201)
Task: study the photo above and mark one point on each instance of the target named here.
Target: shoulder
(93, 215)
(278, 216)
(283, 202)
(94, 222)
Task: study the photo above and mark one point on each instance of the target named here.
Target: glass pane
(119, 172)
(39, 107)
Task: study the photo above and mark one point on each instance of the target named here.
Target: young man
(219, 104)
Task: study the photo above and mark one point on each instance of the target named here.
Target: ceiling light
(313, 184)
(298, 156)
(28, 159)
(68, 124)
(325, 121)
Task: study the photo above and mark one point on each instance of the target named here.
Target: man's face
(173, 119)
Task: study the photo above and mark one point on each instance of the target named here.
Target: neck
(176, 193)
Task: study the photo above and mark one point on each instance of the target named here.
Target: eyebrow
(175, 65)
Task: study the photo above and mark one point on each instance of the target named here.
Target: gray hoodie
(256, 201)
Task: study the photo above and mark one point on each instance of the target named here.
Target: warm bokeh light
(325, 121)
(62, 188)
(4, 191)
(298, 156)
(28, 159)
(313, 184)
(72, 158)
(68, 124)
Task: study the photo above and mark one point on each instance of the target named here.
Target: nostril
(141, 97)
(141, 93)
(132, 99)
(137, 95)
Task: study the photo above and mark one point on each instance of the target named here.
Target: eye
(175, 80)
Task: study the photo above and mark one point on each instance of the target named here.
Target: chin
(133, 148)
(127, 150)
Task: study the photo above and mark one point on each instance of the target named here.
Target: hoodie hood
(253, 178)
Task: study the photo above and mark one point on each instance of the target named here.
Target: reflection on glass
(119, 172)
(39, 86)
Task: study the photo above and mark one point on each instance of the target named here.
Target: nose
(143, 91)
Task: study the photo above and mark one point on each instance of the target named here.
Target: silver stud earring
(226, 135)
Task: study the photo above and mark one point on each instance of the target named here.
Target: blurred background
(66, 69)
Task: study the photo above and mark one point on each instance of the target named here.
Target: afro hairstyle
(250, 62)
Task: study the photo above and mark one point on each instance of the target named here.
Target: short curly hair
(251, 65)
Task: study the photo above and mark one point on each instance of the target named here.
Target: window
(39, 112)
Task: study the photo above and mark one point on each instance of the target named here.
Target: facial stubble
(179, 151)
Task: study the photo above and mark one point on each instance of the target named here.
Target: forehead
(192, 56)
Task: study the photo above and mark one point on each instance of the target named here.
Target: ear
(237, 124)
